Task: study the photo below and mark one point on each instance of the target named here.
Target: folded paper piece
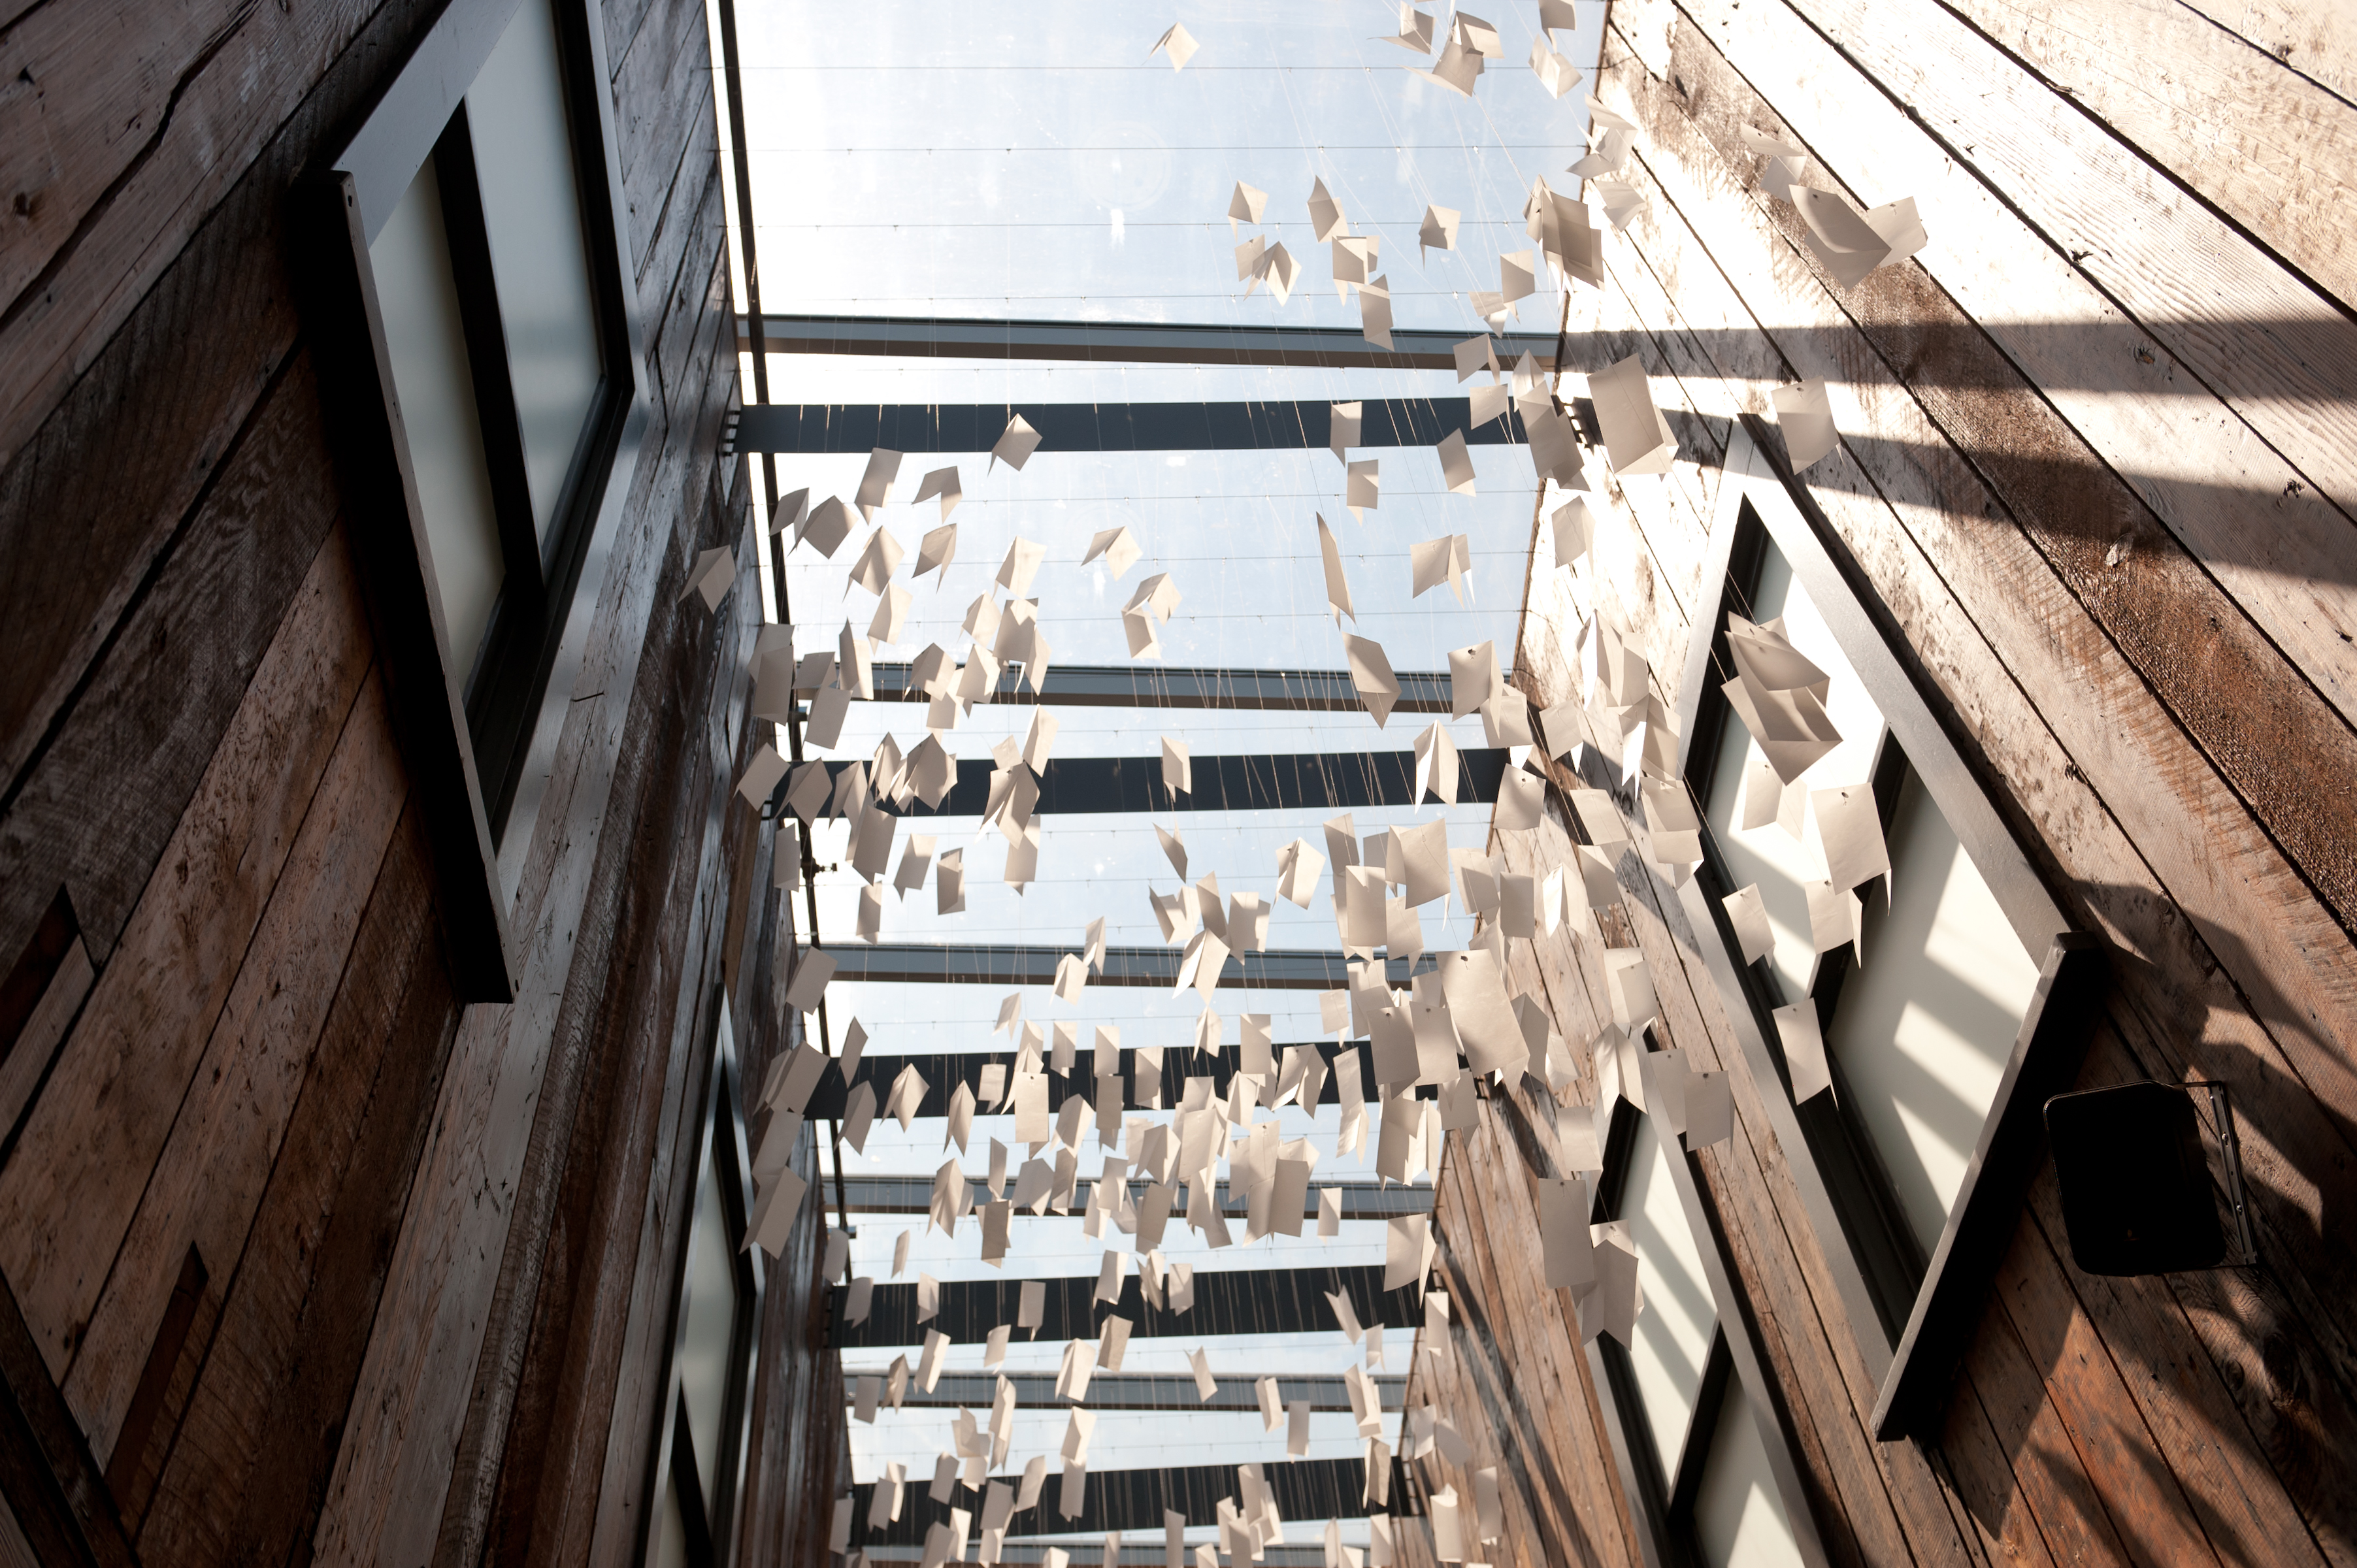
(1622, 201)
(1473, 678)
(1338, 587)
(1852, 244)
(1614, 1305)
(1749, 915)
(790, 510)
(1636, 437)
(1022, 563)
(760, 776)
(1805, 1050)
(1424, 861)
(808, 987)
(1342, 425)
(1415, 29)
(1435, 766)
(875, 482)
(1516, 278)
(1364, 487)
(1709, 1108)
(929, 1364)
(1506, 719)
(1272, 1406)
(1245, 206)
(1805, 414)
(1015, 446)
(1408, 1248)
(1575, 532)
(1371, 675)
(1475, 354)
(1375, 312)
(1487, 403)
(1199, 1360)
(1298, 865)
(1522, 798)
(1180, 46)
(1779, 696)
(1433, 562)
(1079, 1365)
(829, 526)
(1556, 72)
(1456, 464)
(1118, 546)
(1630, 985)
(1568, 1253)
(1850, 826)
(1458, 68)
(1277, 267)
(1480, 1012)
(1326, 219)
(1835, 917)
(774, 1213)
(714, 573)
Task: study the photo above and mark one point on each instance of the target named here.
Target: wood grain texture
(113, 783)
(68, 1196)
(2263, 145)
(2070, 730)
(2319, 42)
(2287, 556)
(206, 1499)
(209, 1176)
(172, 127)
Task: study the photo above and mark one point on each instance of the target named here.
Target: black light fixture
(2136, 1197)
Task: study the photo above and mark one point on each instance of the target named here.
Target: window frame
(1910, 1343)
(479, 750)
(723, 1139)
(1662, 1506)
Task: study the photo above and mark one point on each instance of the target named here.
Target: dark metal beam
(1307, 1491)
(1160, 686)
(958, 963)
(812, 428)
(1227, 1301)
(1124, 342)
(1307, 780)
(1139, 1391)
(944, 1071)
(890, 1196)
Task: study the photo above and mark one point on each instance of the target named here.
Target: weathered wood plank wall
(2096, 466)
(305, 1259)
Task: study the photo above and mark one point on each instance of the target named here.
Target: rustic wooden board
(2318, 41)
(2004, 596)
(2266, 145)
(218, 1469)
(212, 1169)
(2287, 556)
(68, 1197)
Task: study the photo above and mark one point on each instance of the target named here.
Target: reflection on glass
(704, 1359)
(540, 260)
(1923, 1031)
(1675, 1328)
(1738, 1517)
(419, 299)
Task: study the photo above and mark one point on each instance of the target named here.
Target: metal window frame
(478, 744)
(1735, 1366)
(723, 1142)
(1910, 1338)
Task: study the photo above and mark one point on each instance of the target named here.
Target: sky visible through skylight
(924, 159)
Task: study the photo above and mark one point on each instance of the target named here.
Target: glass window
(705, 1350)
(1738, 1515)
(523, 135)
(418, 296)
(1920, 1033)
(1673, 1331)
